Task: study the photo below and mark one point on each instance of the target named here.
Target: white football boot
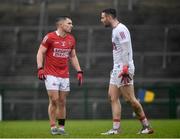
(54, 130)
(146, 130)
(111, 132)
(61, 131)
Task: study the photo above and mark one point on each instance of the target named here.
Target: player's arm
(123, 38)
(125, 53)
(40, 56)
(75, 64)
(40, 61)
(74, 60)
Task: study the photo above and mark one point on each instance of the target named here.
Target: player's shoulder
(70, 36)
(48, 37)
(122, 28)
(51, 34)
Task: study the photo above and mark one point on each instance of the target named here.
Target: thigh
(127, 92)
(63, 95)
(113, 92)
(53, 95)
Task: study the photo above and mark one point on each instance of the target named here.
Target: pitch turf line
(88, 129)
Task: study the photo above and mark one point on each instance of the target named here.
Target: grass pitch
(88, 129)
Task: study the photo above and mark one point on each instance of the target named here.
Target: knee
(62, 102)
(127, 100)
(133, 102)
(54, 100)
(112, 99)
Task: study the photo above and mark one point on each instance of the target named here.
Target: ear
(109, 17)
(59, 24)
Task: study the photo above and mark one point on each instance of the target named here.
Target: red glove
(41, 74)
(80, 77)
(125, 75)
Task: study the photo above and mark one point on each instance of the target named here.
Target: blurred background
(155, 32)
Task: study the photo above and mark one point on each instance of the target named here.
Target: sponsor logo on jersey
(63, 53)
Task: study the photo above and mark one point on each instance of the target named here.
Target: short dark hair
(111, 12)
(61, 18)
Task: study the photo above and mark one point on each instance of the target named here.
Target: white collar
(57, 33)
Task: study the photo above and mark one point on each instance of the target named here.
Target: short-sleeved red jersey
(57, 55)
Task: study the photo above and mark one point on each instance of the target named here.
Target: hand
(125, 75)
(80, 77)
(41, 74)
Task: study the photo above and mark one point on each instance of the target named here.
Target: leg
(61, 113)
(52, 109)
(56, 101)
(128, 94)
(114, 95)
(53, 104)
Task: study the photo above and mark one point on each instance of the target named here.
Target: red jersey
(57, 55)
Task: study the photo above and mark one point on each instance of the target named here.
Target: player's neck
(114, 23)
(61, 33)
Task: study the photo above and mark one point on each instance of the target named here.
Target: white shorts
(115, 80)
(57, 83)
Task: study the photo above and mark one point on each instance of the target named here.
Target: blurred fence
(156, 48)
(22, 103)
(156, 55)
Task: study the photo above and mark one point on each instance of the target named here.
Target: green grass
(88, 129)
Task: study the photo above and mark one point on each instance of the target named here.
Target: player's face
(67, 25)
(105, 20)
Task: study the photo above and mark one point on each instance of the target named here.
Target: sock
(61, 123)
(52, 124)
(144, 121)
(116, 123)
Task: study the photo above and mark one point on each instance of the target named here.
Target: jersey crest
(122, 35)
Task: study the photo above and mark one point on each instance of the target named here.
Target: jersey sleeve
(46, 41)
(123, 35)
